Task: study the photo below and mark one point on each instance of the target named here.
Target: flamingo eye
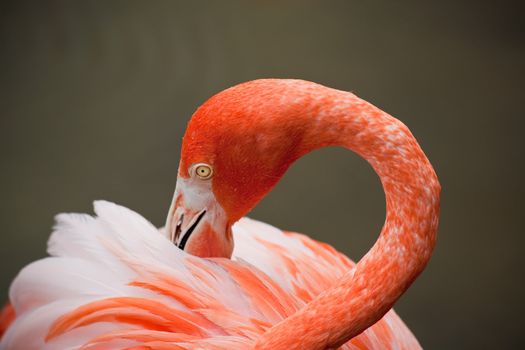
(203, 171)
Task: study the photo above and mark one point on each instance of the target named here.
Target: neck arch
(329, 117)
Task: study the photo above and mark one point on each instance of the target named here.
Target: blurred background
(95, 97)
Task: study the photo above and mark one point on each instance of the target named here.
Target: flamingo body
(114, 281)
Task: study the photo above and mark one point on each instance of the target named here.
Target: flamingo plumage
(213, 279)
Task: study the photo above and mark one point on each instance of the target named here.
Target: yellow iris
(203, 171)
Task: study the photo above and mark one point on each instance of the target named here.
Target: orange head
(236, 147)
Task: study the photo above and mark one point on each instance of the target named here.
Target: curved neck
(407, 238)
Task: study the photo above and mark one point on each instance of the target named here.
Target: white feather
(95, 258)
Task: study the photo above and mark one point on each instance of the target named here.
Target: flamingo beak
(183, 225)
(196, 223)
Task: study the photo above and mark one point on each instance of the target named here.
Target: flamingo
(115, 281)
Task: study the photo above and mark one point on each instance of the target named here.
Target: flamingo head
(236, 147)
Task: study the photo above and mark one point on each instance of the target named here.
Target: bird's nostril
(178, 229)
(179, 223)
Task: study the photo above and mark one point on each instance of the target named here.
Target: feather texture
(115, 282)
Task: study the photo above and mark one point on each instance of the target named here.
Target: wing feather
(113, 281)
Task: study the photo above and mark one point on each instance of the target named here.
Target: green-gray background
(95, 97)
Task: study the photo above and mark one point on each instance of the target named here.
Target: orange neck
(408, 236)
